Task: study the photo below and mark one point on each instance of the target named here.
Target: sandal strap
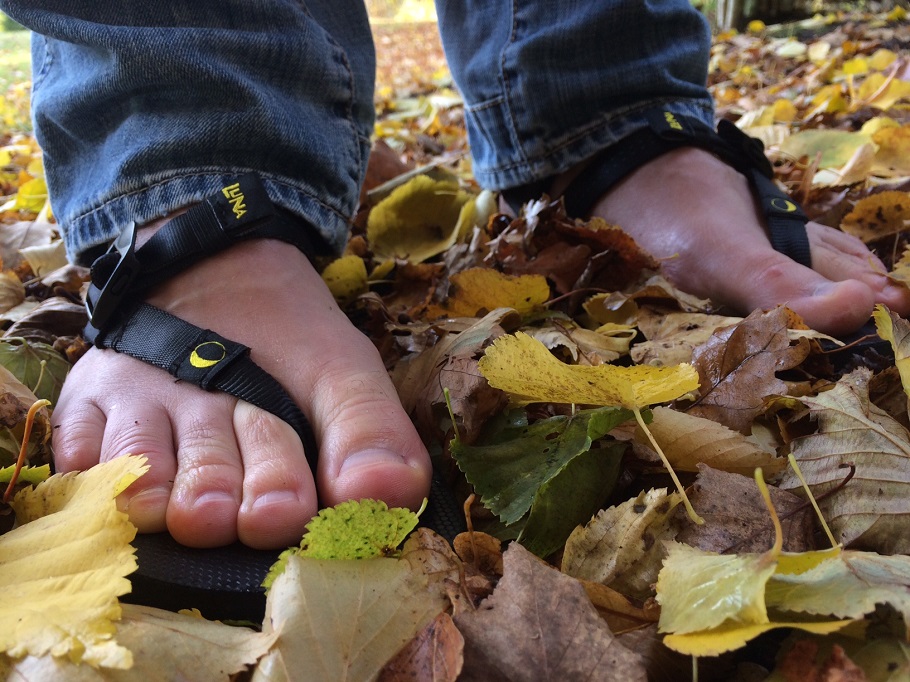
(118, 320)
(667, 131)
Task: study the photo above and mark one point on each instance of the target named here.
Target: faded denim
(145, 107)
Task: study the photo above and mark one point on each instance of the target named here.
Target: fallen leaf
(437, 653)
(342, 620)
(737, 519)
(66, 563)
(356, 529)
(479, 290)
(622, 546)
(737, 368)
(896, 331)
(37, 365)
(524, 368)
(346, 278)
(879, 215)
(892, 152)
(540, 625)
(870, 511)
(688, 441)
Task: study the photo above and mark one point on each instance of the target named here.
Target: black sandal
(225, 583)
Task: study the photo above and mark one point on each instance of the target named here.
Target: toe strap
(206, 359)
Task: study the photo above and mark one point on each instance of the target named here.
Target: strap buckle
(111, 281)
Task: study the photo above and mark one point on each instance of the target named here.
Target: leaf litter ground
(573, 371)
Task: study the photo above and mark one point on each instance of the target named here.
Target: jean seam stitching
(507, 98)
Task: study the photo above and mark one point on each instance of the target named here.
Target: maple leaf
(540, 625)
(870, 511)
(66, 601)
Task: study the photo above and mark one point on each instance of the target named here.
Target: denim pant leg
(144, 107)
(549, 83)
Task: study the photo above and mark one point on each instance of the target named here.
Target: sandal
(223, 582)
(665, 132)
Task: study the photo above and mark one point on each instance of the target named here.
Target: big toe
(369, 447)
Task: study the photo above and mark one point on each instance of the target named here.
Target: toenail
(215, 498)
(150, 499)
(369, 458)
(276, 498)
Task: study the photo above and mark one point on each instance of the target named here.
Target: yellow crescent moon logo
(783, 205)
(200, 362)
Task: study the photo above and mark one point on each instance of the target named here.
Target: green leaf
(24, 359)
(571, 498)
(28, 474)
(508, 472)
(356, 529)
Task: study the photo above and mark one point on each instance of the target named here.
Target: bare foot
(700, 218)
(220, 468)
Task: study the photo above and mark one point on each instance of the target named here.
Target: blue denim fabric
(549, 83)
(145, 107)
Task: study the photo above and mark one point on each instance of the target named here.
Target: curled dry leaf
(12, 291)
(436, 653)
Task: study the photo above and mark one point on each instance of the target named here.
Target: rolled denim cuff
(160, 197)
(607, 132)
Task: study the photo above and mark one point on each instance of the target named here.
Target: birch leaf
(66, 563)
(870, 512)
(688, 440)
(522, 367)
(622, 546)
(896, 331)
(731, 636)
(342, 620)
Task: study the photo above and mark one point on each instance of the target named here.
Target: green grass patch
(15, 58)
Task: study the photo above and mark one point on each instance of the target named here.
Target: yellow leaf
(66, 565)
(873, 125)
(856, 66)
(346, 278)
(881, 59)
(878, 215)
(784, 110)
(895, 331)
(523, 367)
(835, 146)
(479, 290)
(897, 14)
(418, 220)
(700, 590)
(756, 26)
(732, 636)
(892, 158)
(879, 92)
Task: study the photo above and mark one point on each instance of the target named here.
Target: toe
(279, 493)
(207, 487)
(369, 446)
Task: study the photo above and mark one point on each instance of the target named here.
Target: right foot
(221, 469)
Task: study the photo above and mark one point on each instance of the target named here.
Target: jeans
(142, 108)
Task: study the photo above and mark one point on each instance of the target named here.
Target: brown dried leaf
(871, 510)
(737, 368)
(737, 520)
(540, 625)
(675, 336)
(429, 553)
(19, 236)
(616, 609)
(436, 653)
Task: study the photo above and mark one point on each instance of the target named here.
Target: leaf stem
(818, 511)
(775, 519)
(663, 458)
(27, 432)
